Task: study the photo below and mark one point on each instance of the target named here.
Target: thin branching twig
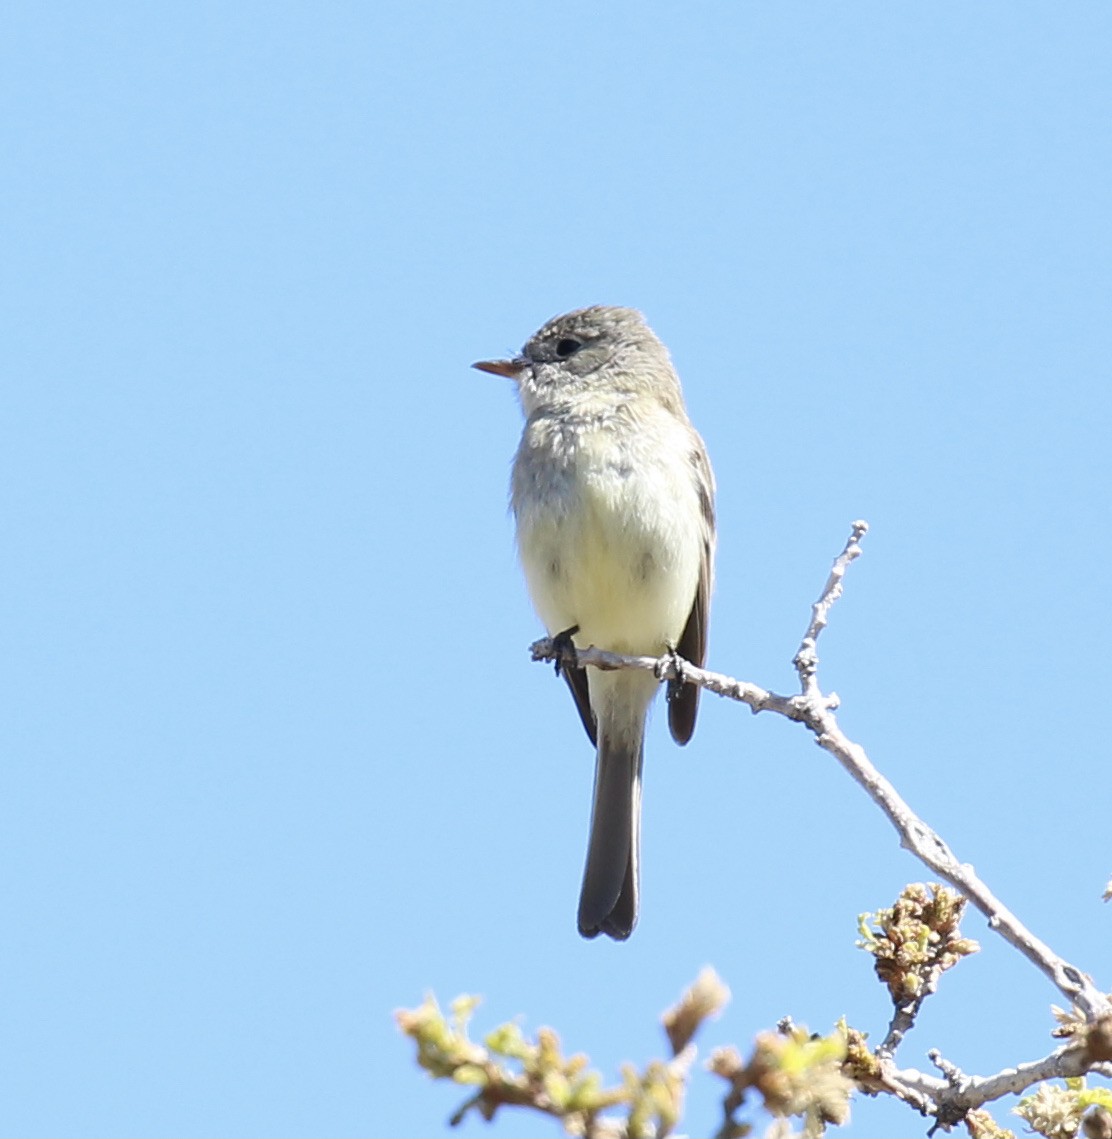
(952, 1095)
(816, 711)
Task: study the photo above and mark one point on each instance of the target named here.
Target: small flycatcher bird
(613, 497)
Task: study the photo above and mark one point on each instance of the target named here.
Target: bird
(612, 495)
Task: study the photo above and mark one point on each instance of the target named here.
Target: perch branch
(816, 711)
(951, 1096)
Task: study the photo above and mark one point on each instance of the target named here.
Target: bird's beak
(510, 368)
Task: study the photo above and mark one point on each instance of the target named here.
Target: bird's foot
(565, 649)
(672, 663)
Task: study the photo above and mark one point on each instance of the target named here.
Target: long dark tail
(608, 900)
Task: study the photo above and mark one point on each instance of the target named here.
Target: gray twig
(816, 711)
(949, 1098)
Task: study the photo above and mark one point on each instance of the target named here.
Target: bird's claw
(672, 662)
(566, 656)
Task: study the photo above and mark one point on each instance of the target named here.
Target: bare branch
(816, 711)
(902, 1022)
(954, 1094)
(806, 660)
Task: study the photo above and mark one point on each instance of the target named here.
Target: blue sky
(275, 759)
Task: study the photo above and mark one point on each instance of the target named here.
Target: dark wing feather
(577, 682)
(683, 699)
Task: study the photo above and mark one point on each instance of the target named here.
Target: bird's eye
(567, 347)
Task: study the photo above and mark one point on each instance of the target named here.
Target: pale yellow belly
(622, 563)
